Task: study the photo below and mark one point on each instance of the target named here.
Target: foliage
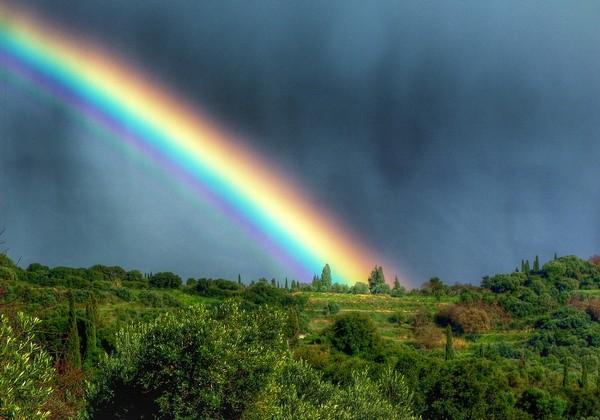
(565, 327)
(376, 281)
(331, 308)
(165, 280)
(26, 372)
(355, 334)
(326, 277)
(216, 287)
(73, 346)
(194, 362)
(298, 391)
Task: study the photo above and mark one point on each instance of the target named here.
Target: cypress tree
(555, 256)
(240, 279)
(273, 283)
(565, 381)
(316, 283)
(584, 374)
(527, 268)
(91, 339)
(326, 277)
(397, 285)
(286, 284)
(523, 366)
(72, 352)
(449, 344)
(536, 264)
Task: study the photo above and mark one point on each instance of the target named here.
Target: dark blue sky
(457, 137)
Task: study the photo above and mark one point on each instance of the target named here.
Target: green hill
(112, 342)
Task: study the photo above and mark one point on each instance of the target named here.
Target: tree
(316, 283)
(165, 280)
(435, 286)
(26, 373)
(376, 281)
(72, 347)
(449, 354)
(355, 333)
(297, 391)
(565, 379)
(286, 284)
(360, 288)
(583, 382)
(197, 362)
(326, 277)
(91, 339)
(536, 264)
(240, 279)
(273, 283)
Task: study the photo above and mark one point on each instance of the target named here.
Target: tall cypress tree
(240, 279)
(91, 339)
(565, 381)
(584, 373)
(449, 344)
(527, 267)
(522, 266)
(72, 352)
(523, 366)
(536, 264)
(286, 284)
(326, 277)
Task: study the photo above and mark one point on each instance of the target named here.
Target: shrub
(428, 336)
(541, 405)
(472, 320)
(468, 318)
(355, 333)
(331, 308)
(593, 309)
(165, 280)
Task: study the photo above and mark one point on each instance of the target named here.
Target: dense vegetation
(104, 342)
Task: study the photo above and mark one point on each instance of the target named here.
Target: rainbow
(191, 147)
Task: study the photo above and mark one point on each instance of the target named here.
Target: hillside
(523, 345)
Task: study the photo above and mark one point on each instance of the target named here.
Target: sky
(456, 138)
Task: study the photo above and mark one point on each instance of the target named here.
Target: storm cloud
(454, 137)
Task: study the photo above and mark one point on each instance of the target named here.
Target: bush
(468, 318)
(331, 308)
(216, 288)
(192, 363)
(428, 336)
(593, 309)
(541, 405)
(355, 334)
(165, 280)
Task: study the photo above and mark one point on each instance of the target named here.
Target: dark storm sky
(457, 137)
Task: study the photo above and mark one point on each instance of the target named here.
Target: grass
(381, 307)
